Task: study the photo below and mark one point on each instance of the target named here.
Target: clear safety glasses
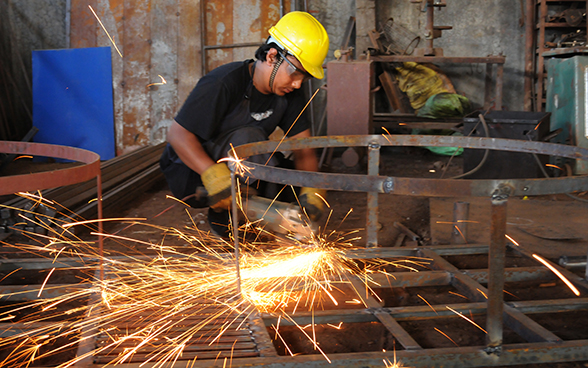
(294, 71)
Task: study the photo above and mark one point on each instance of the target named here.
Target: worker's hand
(217, 181)
(312, 201)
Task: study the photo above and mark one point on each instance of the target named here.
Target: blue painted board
(73, 99)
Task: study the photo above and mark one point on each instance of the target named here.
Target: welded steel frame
(55, 178)
(542, 345)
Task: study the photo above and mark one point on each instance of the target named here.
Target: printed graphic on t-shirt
(259, 116)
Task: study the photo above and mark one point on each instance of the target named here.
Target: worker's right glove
(313, 203)
(217, 181)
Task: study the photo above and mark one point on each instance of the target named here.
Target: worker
(244, 102)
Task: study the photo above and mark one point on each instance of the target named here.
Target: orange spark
(511, 239)
(65, 226)
(45, 282)
(554, 166)
(466, 318)
(23, 156)
(163, 81)
(465, 297)
(444, 334)
(430, 306)
(558, 274)
(104, 28)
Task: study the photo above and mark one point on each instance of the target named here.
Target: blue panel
(72, 99)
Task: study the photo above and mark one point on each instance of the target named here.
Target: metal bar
(516, 274)
(414, 313)
(232, 46)
(522, 325)
(415, 186)
(43, 180)
(529, 53)
(496, 256)
(203, 35)
(261, 336)
(440, 59)
(459, 234)
(578, 281)
(498, 88)
(87, 340)
(463, 357)
(14, 293)
(235, 225)
(385, 318)
(372, 197)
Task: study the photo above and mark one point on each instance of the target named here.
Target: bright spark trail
(149, 309)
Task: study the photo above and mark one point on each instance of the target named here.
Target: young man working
(243, 102)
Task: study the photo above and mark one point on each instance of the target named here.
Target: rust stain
(219, 31)
(111, 14)
(83, 24)
(270, 14)
(189, 48)
(136, 74)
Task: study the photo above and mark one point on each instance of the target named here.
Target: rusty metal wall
(162, 40)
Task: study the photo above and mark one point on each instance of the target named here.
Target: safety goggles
(293, 71)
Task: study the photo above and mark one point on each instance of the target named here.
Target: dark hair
(261, 53)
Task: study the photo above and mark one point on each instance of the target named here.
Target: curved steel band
(49, 179)
(414, 186)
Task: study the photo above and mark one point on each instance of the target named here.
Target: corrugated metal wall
(164, 38)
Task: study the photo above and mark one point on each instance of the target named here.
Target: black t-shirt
(219, 92)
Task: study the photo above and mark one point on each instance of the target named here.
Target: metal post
(460, 226)
(372, 197)
(496, 255)
(100, 237)
(235, 225)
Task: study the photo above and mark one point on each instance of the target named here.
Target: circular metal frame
(49, 179)
(413, 186)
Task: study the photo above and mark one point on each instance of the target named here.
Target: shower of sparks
(466, 318)
(150, 308)
(558, 274)
(105, 31)
(395, 364)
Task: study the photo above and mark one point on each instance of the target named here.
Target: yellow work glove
(217, 181)
(312, 202)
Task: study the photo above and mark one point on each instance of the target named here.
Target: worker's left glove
(312, 201)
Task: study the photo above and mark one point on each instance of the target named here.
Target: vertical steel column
(372, 197)
(460, 226)
(235, 225)
(496, 255)
(99, 207)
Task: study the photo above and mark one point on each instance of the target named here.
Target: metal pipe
(232, 46)
(460, 226)
(496, 256)
(203, 36)
(372, 197)
(235, 225)
(100, 237)
(529, 53)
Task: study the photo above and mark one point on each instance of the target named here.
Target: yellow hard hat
(305, 38)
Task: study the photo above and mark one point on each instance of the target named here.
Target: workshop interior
(451, 145)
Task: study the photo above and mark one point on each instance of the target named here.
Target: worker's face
(290, 76)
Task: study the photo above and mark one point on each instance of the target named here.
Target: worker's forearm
(188, 148)
(305, 159)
